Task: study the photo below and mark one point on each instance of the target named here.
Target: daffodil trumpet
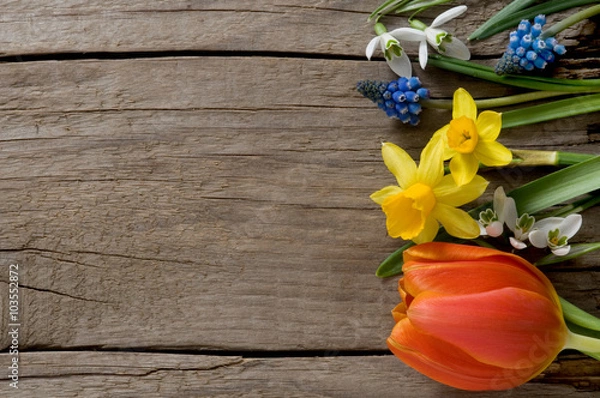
(559, 187)
(516, 11)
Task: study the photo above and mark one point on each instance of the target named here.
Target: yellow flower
(470, 139)
(424, 197)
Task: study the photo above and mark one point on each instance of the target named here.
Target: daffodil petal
(400, 164)
(449, 193)
(431, 165)
(371, 47)
(381, 195)
(493, 154)
(489, 124)
(429, 232)
(463, 105)
(442, 134)
(401, 65)
(456, 49)
(456, 222)
(463, 168)
(448, 15)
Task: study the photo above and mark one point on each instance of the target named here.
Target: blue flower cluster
(527, 50)
(399, 99)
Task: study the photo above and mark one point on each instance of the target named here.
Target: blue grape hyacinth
(527, 50)
(399, 99)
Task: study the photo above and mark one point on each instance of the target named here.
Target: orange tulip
(475, 318)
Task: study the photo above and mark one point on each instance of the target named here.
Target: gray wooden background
(185, 187)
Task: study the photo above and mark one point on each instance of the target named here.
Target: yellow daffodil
(470, 139)
(424, 197)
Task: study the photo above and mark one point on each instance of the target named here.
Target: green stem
(379, 29)
(496, 102)
(515, 6)
(421, 5)
(578, 316)
(582, 343)
(569, 158)
(533, 157)
(532, 82)
(550, 111)
(548, 7)
(569, 21)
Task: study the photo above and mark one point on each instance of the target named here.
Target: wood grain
(117, 374)
(217, 199)
(326, 27)
(239, 219)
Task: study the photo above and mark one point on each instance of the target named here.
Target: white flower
(441, 40)
(393, 52)
(491, 221)
(520, 226)
(554, 232)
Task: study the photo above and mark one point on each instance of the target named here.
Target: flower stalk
(582, 343)
(518, 12)
(571, 20)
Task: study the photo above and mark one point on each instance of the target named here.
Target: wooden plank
(327, 27)
(192, 203)
(121, 374)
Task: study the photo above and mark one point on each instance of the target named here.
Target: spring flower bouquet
(474, 314)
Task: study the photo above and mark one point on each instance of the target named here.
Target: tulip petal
(380, 196)
(448, 15)
(457, 222)
(371, 47)
(442, 252)
(511, 328)
(463, 168)
(463, 105)
(448, 364)
(449, 193)
(400, 164)
(493, 153)
(468, 277)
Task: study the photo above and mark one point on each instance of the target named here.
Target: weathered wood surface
(112, 374)
(218, 199)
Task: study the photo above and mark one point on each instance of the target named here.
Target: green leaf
(578, 249)
(515, 6)
(393, 264)
(578, 316)
(558, 187)
(479, 71)
(551, 110)
(546, 8)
